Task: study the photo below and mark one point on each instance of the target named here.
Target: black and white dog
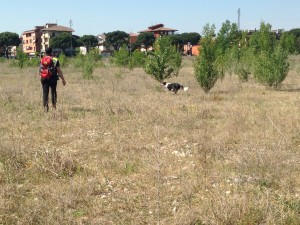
(174, 87)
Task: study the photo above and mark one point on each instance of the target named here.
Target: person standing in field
(50, 73)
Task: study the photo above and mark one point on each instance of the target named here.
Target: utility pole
(239, 18)
(71, 24)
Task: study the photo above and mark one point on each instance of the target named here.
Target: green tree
(230, 51)
(122, 57)
(192, 37)
(116, 39)
(205, 71)
(271, 68)
(147, 39)
(63, 41)
(88, 41)
(165, 61)
(288, 42)
(9, 39)
(228, 36)
(296, 32)
(269, 61)
(263, 39)
(137, 59)
(176, 40)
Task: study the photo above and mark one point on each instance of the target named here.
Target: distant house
(51, 31)
(101, 44)
(159, 30)
(31, 40)
(38, 39)
(101, 40)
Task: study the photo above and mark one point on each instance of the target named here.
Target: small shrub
(88, 68)
(87, 63)
(78, 61)
(62, 59)
(137, 59)
(22, 59)
(33, 62)
(122, 57)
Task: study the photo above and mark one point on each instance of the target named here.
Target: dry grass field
(119, 149)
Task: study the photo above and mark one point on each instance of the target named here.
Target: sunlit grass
(119, 149)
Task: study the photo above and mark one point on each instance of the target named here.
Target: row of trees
(230, 51)
(117, 39)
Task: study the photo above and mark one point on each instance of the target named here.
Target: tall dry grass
(121, 150)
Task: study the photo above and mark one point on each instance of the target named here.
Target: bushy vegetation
(205, 66)
(122, 57)
(138, 59)
(164, 62)
(270, 65)
(271, 68)
(87, 63)
(233, 52)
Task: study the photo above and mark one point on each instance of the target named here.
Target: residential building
(101, 44)
(101, 40)
(38, 39)
(159, 30)
(51, 31)
(31, 40)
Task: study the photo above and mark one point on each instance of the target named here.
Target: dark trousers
(46, 85)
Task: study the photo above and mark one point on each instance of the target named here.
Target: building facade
(51, 31)
(38, 39)
(31, 40)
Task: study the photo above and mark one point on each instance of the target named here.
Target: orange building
(191, 49)
(32, 40)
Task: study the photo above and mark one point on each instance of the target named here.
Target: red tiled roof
(157, 27)
(133, 34)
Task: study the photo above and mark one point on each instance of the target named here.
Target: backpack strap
(54, 59)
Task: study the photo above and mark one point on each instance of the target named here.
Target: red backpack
(47, 67)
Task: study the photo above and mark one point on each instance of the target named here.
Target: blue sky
(97, 16)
